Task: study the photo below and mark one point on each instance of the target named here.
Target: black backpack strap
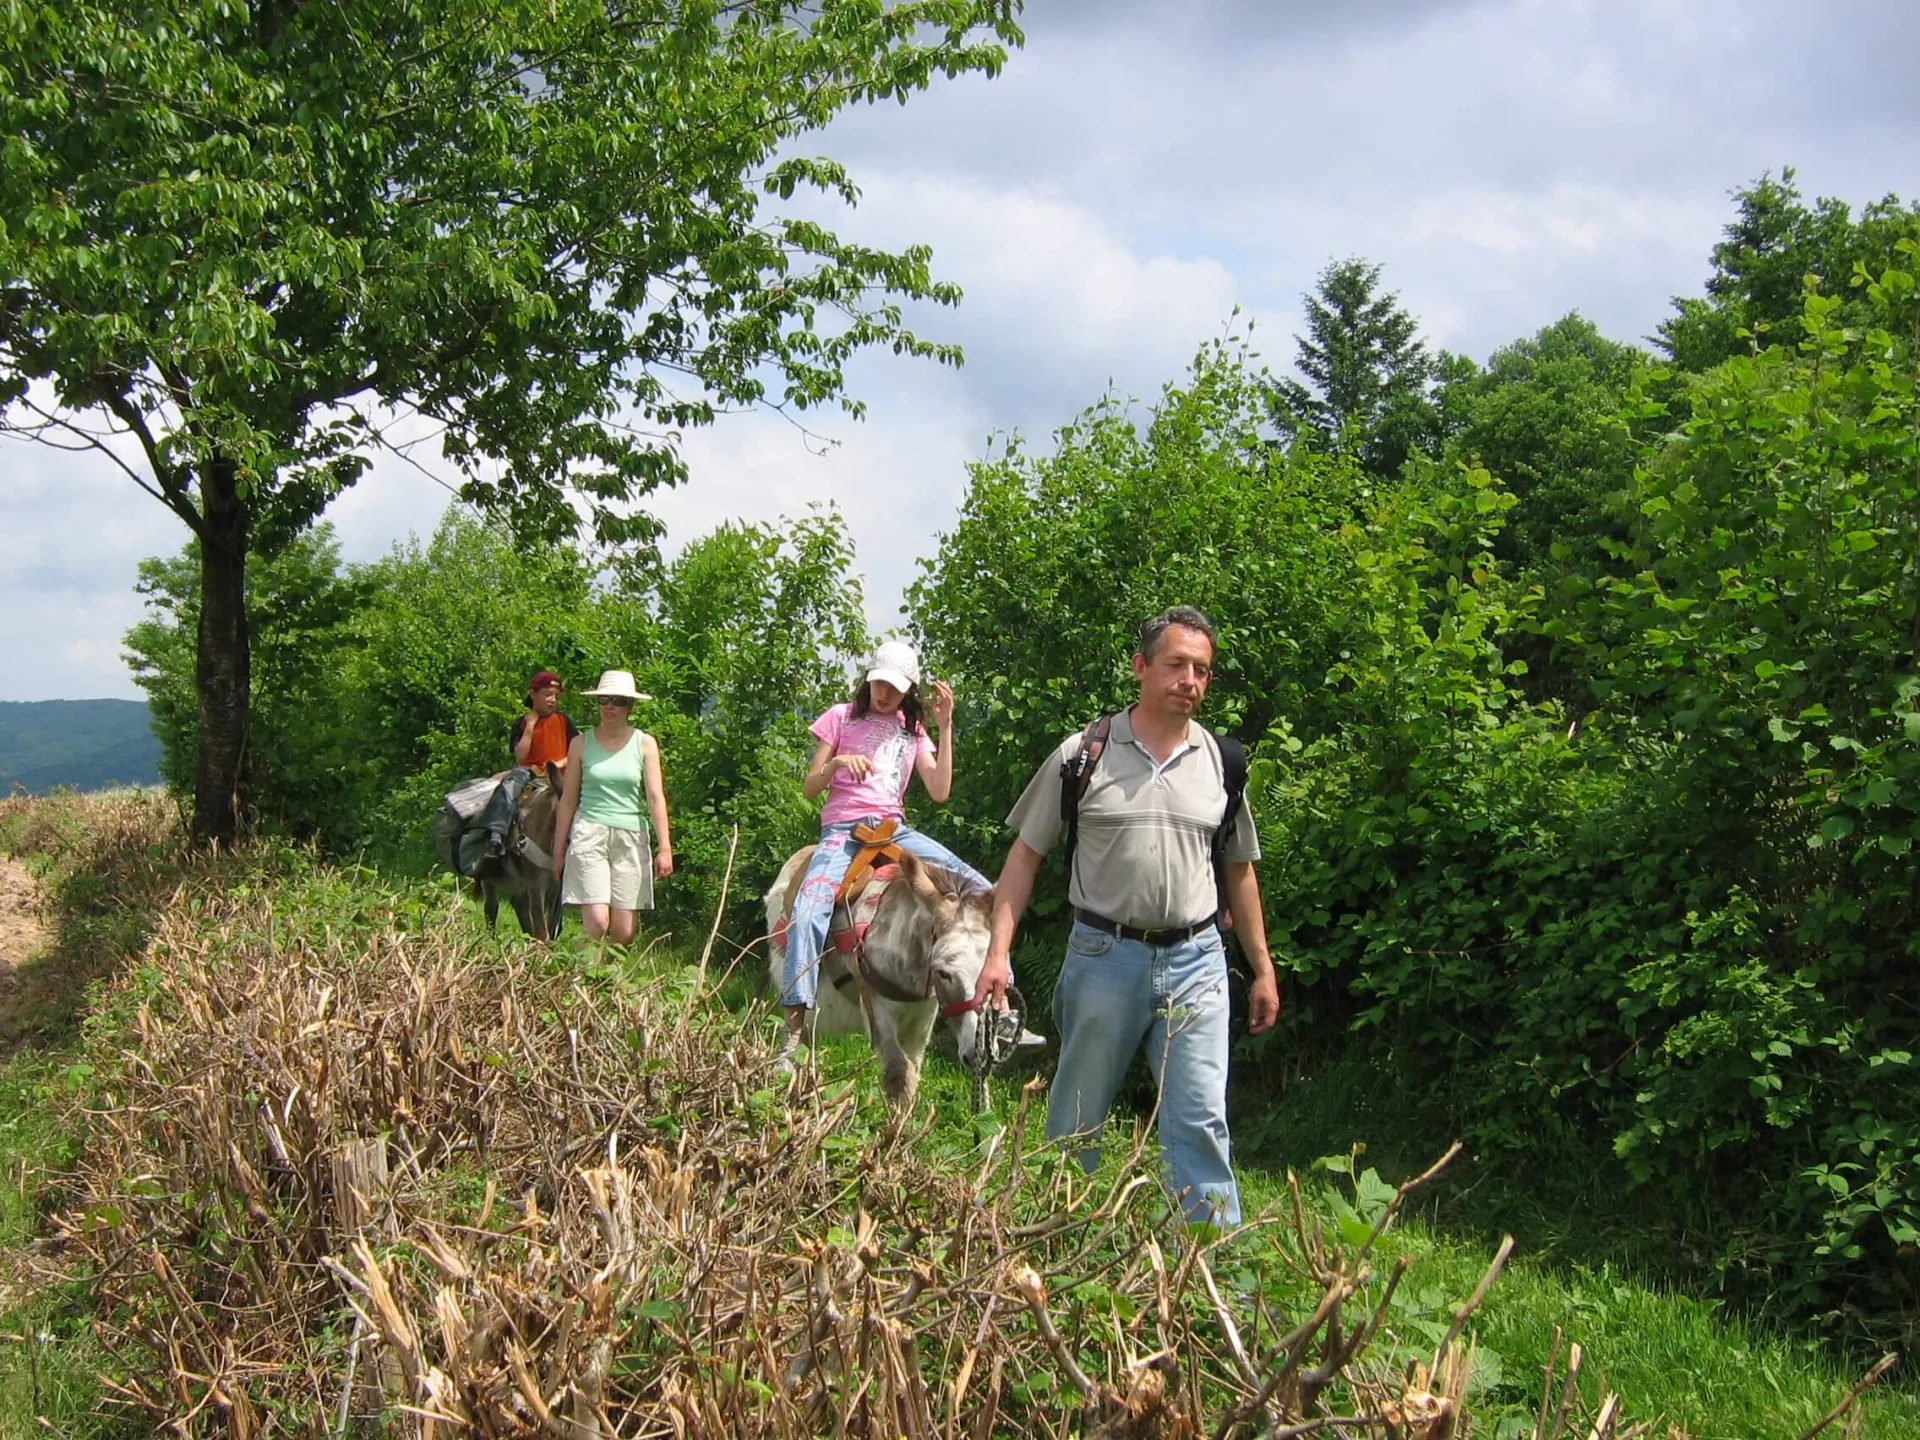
(1233, 771)
(1076, 773)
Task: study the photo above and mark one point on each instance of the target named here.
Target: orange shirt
(551, 734)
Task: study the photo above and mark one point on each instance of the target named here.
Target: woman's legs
(608, 922)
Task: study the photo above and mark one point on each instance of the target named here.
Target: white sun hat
(616, 685)
(895, 663)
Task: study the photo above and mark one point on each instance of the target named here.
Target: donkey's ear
(914, 871)
(554, 778)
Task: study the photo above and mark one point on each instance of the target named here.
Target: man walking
(1145, 961)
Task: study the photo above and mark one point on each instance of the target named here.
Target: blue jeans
(1114, 993)
(813, 906)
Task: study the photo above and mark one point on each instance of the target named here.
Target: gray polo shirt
(1146, 831)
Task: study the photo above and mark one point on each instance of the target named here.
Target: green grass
(50, 1366)
(1665, 1353)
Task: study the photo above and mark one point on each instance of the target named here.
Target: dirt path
(22, 930)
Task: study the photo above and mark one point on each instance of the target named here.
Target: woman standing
(600, 854)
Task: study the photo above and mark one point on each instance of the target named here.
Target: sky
(1143, 175)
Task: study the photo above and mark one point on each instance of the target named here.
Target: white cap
(895, 663)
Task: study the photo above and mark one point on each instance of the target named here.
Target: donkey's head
(952, 928)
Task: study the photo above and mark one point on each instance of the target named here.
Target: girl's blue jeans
(813, 906)
(1112, 995)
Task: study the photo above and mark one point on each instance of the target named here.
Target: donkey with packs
(499, 835)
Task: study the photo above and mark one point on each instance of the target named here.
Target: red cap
(543, 679)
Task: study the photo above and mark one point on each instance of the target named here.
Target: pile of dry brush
(410, 1184)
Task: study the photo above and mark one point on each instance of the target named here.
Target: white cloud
(1058, 307)
(73, 528)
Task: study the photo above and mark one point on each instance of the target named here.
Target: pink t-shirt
(883, 739)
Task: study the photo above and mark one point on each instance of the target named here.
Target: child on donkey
(870, 748)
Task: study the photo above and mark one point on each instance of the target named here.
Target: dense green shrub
(1685, 923)
(1672, 915)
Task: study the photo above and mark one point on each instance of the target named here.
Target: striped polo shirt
(1145, 855)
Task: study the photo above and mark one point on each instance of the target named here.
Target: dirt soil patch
(23, 927)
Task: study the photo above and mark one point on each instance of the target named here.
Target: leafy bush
(1686, 922)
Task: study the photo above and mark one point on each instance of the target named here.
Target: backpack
(1076, 773)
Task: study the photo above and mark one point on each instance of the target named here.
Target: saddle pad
(847, 938)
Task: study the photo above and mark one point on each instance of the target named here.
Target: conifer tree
(1368, 374)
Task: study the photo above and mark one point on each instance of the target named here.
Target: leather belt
(1171, 935)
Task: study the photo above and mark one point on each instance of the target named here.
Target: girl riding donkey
(869, 749)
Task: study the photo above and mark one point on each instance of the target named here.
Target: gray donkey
(920, 958)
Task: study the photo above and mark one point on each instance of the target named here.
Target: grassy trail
(1667, 1355)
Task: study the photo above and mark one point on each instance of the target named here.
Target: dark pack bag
(469, 833)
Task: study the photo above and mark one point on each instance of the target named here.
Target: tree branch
(175, 496)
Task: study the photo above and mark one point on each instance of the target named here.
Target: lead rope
(991, 1046)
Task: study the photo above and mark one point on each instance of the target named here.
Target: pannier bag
(470, 832)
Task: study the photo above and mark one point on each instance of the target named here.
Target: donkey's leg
(900, 1038)
(523, 911)
(548, 908)
(912, 1025)
(490, 902)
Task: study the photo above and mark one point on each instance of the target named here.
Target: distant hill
(88, 744)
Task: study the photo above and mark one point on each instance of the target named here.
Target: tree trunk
(223, 669)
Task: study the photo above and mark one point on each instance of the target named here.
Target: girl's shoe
(788, 1060)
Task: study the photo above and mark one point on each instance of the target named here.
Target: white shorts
(607, 866)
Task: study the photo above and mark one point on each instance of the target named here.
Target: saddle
(859, 895)
(864, 884)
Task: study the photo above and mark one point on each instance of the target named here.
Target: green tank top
(612, 791)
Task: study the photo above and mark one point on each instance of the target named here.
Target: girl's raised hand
(940, 705)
